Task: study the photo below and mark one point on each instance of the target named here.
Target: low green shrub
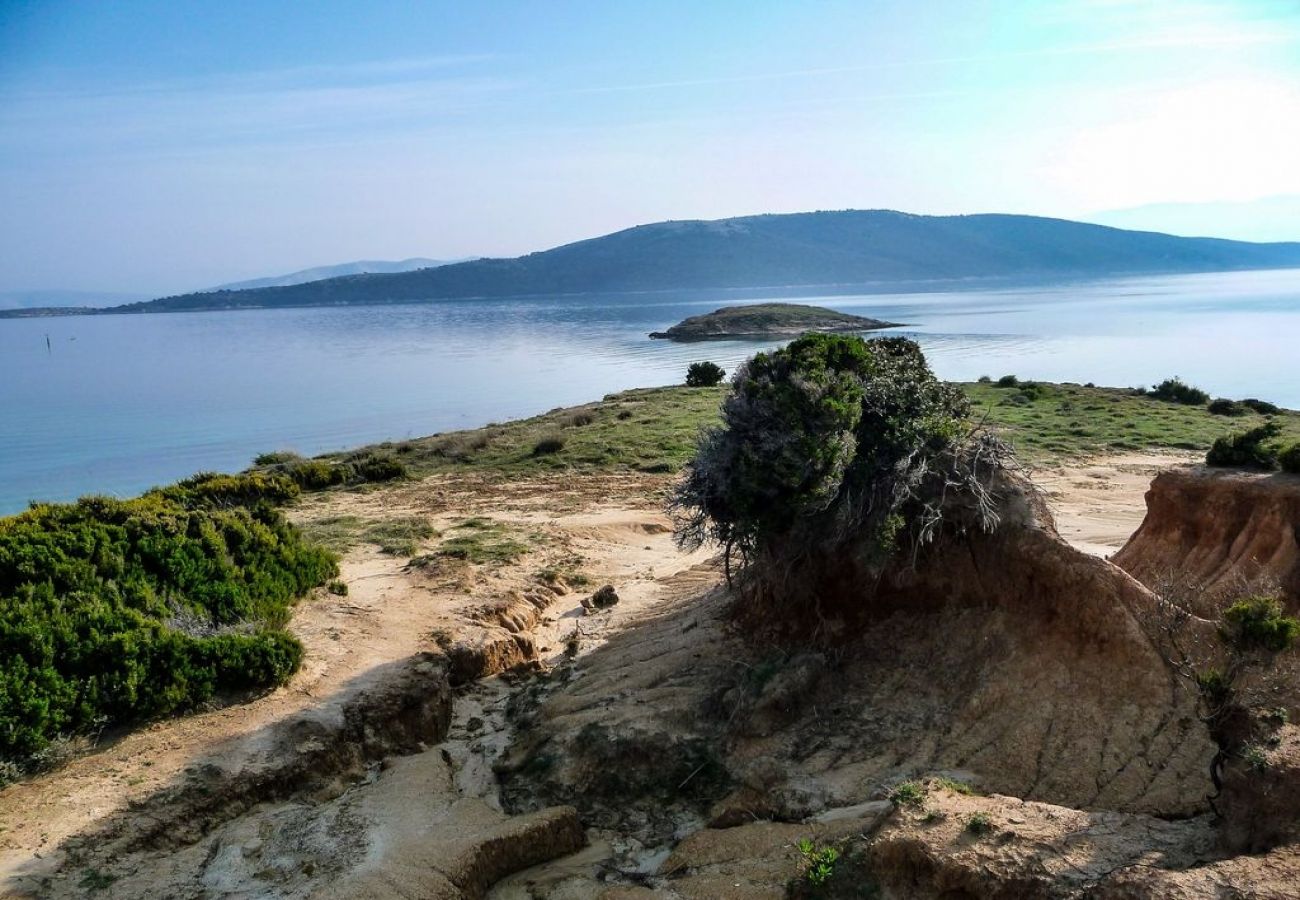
(275, 458)
(113, 611)
(1263, 407)
(1175, 390)
(985, 379)
(704, 374)
(548, 445)
(1289, 459)
(315, 474)
(818, 862)
(979, 824)
(1032, 390)
(1258, 624)
(1008, 381)
(909, 793)
(372, 466)
(1246, 449)
(1222, 406)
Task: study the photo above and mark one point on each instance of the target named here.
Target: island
(767, 320)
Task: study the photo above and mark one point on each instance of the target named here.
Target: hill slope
(319, 273)
(798, 249)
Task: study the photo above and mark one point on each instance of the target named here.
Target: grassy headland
(655, 429)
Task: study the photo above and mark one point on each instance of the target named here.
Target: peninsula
(767, 320)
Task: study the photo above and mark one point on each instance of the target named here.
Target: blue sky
(162, 146)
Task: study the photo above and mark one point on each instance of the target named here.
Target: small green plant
(1255, 758)
(818, 862)
(337, 588)
(704, 374)
(94, 880)
(979, 824)
(1247, 449)
(1277, 716)
(1007, 381)
(1175, 390)
(933, 816)
(909, 793)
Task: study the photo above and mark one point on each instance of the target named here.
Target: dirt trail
(610, 528)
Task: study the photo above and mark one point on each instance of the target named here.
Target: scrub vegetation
(113, 611)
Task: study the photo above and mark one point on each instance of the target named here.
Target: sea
(114, 404)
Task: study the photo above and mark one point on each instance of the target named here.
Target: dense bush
(371, 466)
(117, 610)
(1263, 407)
(830, 441)
(1175, 390)
(704, 374)
(318, 474)
(1246, 449)
(1008, 381)
(1289, 459)
(1222, 406)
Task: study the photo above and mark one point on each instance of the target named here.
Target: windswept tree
(831, 446)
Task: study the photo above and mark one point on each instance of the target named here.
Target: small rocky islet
(767, 320)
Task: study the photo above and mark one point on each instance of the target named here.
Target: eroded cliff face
(1218, 532)
(1008, 660)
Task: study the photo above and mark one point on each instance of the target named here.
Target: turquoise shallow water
(120, 403)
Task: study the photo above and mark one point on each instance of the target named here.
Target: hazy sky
(164, 146)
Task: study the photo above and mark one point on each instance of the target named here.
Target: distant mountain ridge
(767, 251)
(319, 273)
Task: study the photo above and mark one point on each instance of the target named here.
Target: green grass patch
(399, 536)
(1055, 421)
(482, 541)
(654, 430)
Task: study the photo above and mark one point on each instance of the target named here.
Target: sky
(158, 147)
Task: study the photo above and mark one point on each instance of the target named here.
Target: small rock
(602, 599)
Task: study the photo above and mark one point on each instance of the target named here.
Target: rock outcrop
(1218, 532)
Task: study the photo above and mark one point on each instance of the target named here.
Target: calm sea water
(120, 403)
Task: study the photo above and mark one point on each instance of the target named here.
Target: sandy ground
(612, 523)
(1099, 503)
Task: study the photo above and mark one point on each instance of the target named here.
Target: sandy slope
(612, 522)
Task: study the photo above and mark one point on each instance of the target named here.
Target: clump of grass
(566, 573)
(482, 541)
(577, 419)
(399, 536)
(461, 447)
(548, 445)
(337, 588)
(957, 787)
